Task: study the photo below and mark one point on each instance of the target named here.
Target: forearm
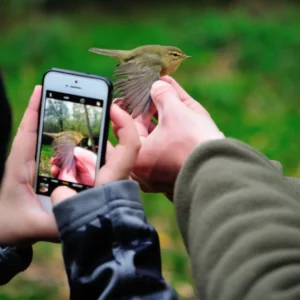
(241, 224)
(109, 249)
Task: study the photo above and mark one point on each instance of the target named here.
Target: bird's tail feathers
(117, 54)
(53, 135)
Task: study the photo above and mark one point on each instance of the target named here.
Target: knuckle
(135, 144)
(138, 146)
(171, 80)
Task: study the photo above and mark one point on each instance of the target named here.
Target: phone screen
(69, 145)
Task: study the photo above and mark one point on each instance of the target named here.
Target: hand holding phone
(121, 159)
(23, 220)
(73, 130)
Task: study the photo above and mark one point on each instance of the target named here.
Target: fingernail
(78, 150)
(36, 88)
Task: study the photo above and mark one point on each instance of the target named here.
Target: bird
(63, 145)
(138, 70)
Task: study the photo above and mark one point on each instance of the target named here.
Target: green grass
(244, 69)
(45, 165)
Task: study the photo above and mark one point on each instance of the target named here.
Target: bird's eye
(175, 54)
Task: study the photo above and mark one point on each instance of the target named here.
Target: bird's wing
(64, 149)
(135, 79)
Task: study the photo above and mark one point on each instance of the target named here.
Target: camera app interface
(69, 145)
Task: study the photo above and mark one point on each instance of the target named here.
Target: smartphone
(72, 132)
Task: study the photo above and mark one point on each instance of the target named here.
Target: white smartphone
(72, 132)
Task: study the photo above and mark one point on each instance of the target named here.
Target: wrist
(192, 143)
(13, 231)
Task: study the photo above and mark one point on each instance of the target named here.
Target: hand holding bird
(63, 145)
(72, 163)
(138, 70)
(84, 170)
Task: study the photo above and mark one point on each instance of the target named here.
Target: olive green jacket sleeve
(240, 221)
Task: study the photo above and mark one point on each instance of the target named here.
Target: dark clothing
(109, 249)
(12, 259)
(240, 221)
(5, 126)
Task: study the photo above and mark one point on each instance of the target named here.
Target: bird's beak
(187, 56)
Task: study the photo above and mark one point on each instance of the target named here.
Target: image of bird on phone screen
(69, 144)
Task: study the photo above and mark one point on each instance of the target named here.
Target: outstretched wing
(64, 149)
(135, 79)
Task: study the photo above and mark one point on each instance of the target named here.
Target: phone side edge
(106, 124)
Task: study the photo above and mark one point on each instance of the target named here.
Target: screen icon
(44, 188)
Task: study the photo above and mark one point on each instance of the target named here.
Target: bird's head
(172, 58)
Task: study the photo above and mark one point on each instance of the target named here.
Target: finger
(86, 156)
(115, 129)
(118, 101)
(143, 123)
(60, 194)
(125, 153)
(143, 185)
(54, 160)
(184, 96)
(165, 98)
(67, 175)
(25, 138)
(152, 126)
(54, 171)
(29, 122)
(109, 150)
(85, 173)
(142, 126)
(81, 167)
(124, 124)
(86, 161)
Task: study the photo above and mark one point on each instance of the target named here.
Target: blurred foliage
(245, 69)
(45, 164)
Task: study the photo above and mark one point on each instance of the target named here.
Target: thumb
(164, 96)
(60, 194)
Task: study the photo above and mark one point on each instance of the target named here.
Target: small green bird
(138, 70)
(63, 145)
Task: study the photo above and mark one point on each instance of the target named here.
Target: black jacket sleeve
(109, 249)
(13, 260)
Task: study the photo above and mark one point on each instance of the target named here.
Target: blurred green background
(245, 69)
